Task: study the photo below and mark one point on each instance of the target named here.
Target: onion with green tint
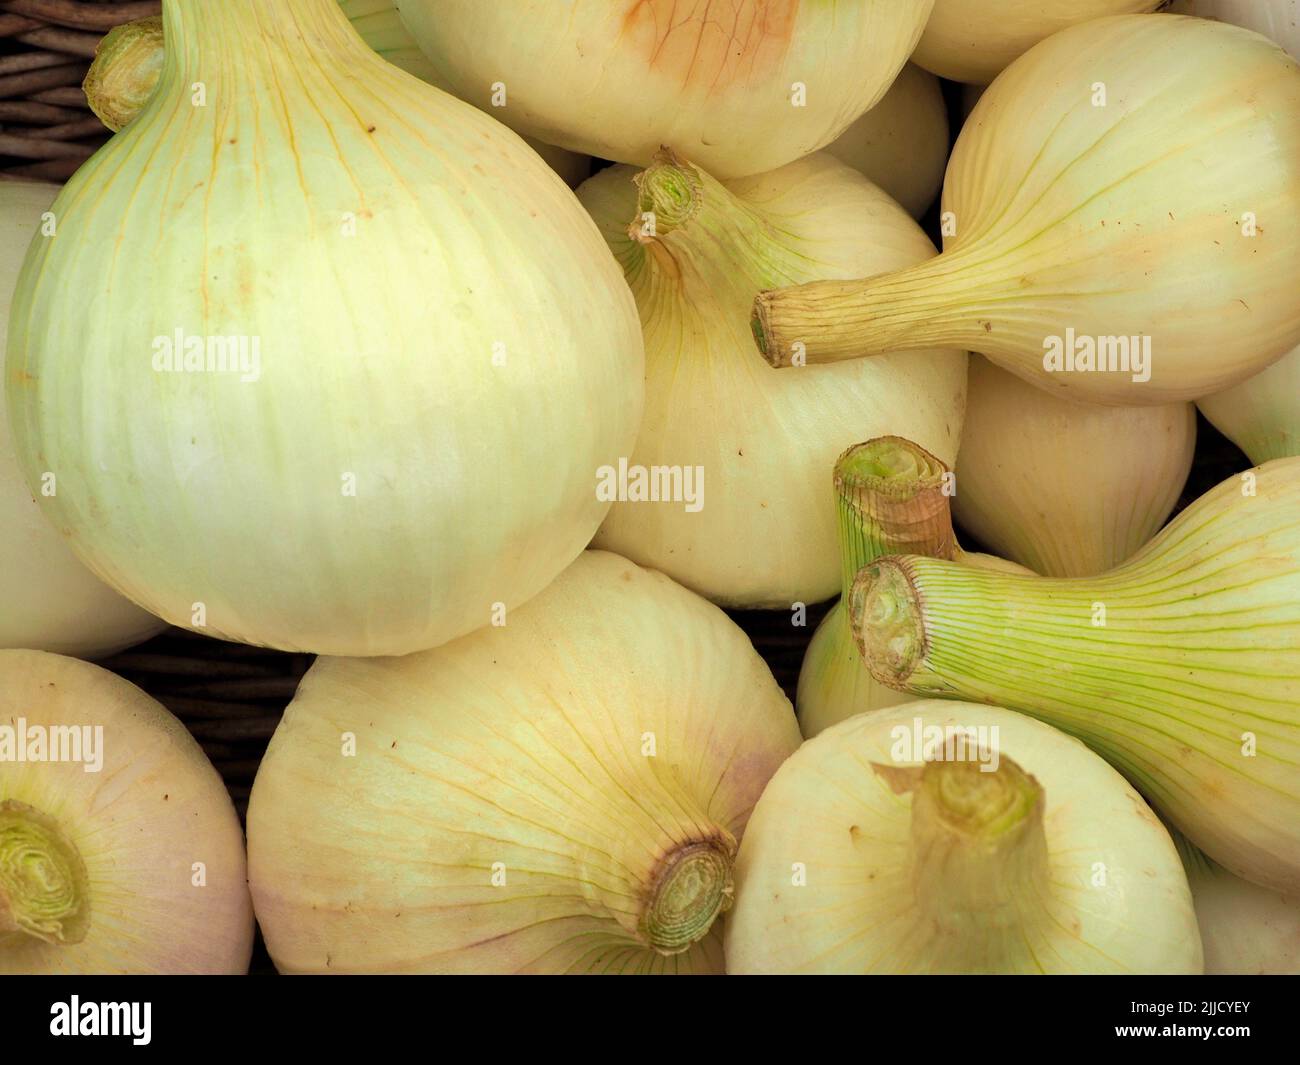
(945, 837)
(1181, 666)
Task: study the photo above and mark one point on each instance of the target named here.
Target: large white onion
(738, 86)
(448, 350)
(974, 40)
(560, 794)
(48, 599)
(1262, 414)
(764, 534)
(120, 851)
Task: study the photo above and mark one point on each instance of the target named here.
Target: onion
(901, 144)
(619, 78)
(974, 40)
(48, 599)
(120, 851)
(892, 497)
(1180, 666)
(1261, 415)
(1165, 223)
(878, 849)
(1069, 489)
(763, 531)
(129, 62)
(445, 349)
(561, 794)
(1277, 19)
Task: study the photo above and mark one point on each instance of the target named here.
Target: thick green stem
(44, 889)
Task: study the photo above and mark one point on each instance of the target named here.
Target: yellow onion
(974, 40)
(1181, 666)
(893, 498)
(945, 837)
(120, 851)
(762, 532)
(445, 349)
(48, 599)
(1262, 414)
(563, 793)
(738, 86)
(129, 62)
(1277, 19)
(1069, 489)
(1122, 215)
(901, 144)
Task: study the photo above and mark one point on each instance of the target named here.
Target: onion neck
(690, 887)
(890, 494)
(128, 63)
(979, 854)
(44, 888)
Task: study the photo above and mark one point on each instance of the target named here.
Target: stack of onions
(946, 837)
(619, 78)
(1090, 246)
(561, 794)
(762, 533)
(1180, 666)
(120, 851)
(374, 361)
(48, 599)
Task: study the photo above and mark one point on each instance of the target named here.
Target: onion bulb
(120, 851)
(1246, 930)
(1261, 415)
(945, 837)
(48, 599)
(563, 793)
(1122, 219)
(340, 300)
(974, 40)
(757, 527)
(129, 62)
(901, 144)
(893, 499)
(619, 78)
(1069, 489)
(1276, 19)
(1181, 666)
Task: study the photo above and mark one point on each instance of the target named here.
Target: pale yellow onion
(48, 599)
(738, 86)
(1116, 221)
(765, 533)
(1068, 489)
(1181, 666)
(1277, 19)
(1262, 414)
(974, 40)
(901, 144)
(448, 352)
(893, 499)
(129, 60)
(868, 853)
(560, 794)
(135, 867)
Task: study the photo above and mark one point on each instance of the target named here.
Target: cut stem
(44, 889)
(691, 886)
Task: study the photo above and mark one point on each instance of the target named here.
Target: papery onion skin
(431, 305)
(1068, 489)
(1117, 898)
(1071, 224)
(613, 725)
(1180, 666)
(48, 599)
(1261, 415)
(974, 40)
(765, 535)
(619, 78)
(901, 144)
(139, 826)
(1276, 19)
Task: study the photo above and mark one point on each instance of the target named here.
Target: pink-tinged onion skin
(1246, 930)
(501, 813)
(740, 87)
(48, 599)
(165, 886)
